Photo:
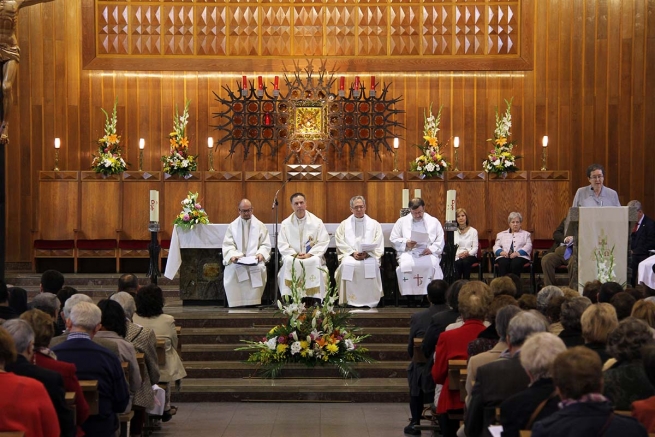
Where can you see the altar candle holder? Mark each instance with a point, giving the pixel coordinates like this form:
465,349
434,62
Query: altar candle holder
342,86
357,87
210,146
544,153
57,146
372,90
276,86
395,154
244,86
142,144
260,86
456,145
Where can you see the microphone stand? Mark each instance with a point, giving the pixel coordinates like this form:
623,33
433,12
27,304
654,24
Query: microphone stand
275,237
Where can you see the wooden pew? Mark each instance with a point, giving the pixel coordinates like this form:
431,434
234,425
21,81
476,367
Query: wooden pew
463,373
90,390
125,419
454,368
178,331
525,433
70,403
12,434
126,370
141,361
161,351
418,356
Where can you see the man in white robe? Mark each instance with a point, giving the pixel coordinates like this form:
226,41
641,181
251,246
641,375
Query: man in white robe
418,261
360,244
246,248
302,242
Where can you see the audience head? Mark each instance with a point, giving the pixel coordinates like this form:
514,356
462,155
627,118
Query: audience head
113,317
597,321
626,341
591,290
516,279
48,303
572,311
64,294
18,299
503,286
23,336
522,326
539,352
437,290
128,282
149,301
126,301
577,372
74,300
474,299
554,309
51,281
452,296
644,310
84,316
648,357
4,293
7,348
608,290
637,293
528,302
503,318
623,303
41,324
498,303
545,295
570,293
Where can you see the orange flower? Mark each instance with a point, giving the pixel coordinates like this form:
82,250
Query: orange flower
320,341
173,142
501,141
184,142
113,138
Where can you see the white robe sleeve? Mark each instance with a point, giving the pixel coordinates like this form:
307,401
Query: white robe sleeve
283,245
437,245
264,247
379,239
322,240
229,246
343,248
397,238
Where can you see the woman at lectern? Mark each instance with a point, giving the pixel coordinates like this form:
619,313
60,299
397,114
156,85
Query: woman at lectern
466,239
513,247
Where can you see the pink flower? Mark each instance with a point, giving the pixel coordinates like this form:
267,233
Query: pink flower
282,339
106,150
198,206
186,217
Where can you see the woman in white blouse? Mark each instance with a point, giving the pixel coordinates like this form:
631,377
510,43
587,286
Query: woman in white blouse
466,239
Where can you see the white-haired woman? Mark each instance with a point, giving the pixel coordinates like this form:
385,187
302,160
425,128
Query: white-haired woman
513,247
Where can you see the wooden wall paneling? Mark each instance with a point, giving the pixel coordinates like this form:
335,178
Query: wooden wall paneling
338,195
100,206
57,218
130,135
203,117
135,212
315,197
505,196
637,173
471,190
433,193
189,90
549,202
468,157
166,107
384,200
481,131
174,192
221,200
261,195
158,144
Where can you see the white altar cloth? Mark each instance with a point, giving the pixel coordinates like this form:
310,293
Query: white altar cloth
646,274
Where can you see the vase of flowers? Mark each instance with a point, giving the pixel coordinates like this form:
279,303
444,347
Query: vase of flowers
179,161
314,335
500,159
192,213
107,160
431,162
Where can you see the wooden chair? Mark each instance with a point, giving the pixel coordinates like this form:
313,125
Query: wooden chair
90,391
454,368
70,403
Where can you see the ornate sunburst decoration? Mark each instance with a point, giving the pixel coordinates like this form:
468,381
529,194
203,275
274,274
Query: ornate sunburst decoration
308,118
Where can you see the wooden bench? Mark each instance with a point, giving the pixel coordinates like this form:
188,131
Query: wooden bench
70,403
141,361
418,356
463,373
90,391
454,368
124,420
12,434
126,370
161,351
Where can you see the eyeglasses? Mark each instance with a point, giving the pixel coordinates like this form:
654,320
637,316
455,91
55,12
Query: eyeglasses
359,207
597,177
245,210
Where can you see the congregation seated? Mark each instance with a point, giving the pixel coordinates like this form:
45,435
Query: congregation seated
358,276
540,399
591,290
584,411
527,302
513,247
553,313
570,315
62,296
49,304
623,303
545,295
596,323
503,285
94,362
467,242
44,357
144,340
53,382
441,320
644,410
608,290
626,380
6,312
150,314
24,405
488,338
18,300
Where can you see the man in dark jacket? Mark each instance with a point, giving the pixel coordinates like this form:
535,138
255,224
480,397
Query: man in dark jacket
584,411
23,336
642,239
562,253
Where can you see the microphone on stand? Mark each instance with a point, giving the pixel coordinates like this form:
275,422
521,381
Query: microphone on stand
275,203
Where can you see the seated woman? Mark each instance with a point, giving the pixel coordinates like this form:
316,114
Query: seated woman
539,400
150,313
644,411
466,239
513,247
24,404
596,323
41,323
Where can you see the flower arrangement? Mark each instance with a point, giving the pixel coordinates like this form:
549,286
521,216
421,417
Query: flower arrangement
192,213
604,261
315,335
431,162
107,160
178,161
500,159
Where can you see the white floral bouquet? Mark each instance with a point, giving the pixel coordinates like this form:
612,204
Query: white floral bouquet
431,162
318,335
605,262
178,161
107,160
192,213
500,159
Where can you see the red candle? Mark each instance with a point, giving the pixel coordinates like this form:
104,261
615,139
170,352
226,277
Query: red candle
245,83
267,119
357,83
276,83
342,83
260,83
372,82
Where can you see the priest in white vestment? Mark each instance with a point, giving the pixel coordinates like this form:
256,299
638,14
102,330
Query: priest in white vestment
419,241
360,244
302,242
246,247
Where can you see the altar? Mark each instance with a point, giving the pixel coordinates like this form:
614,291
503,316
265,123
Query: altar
645,274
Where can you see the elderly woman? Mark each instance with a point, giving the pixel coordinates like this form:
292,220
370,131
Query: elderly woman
466,239
539,400
513,247
645,310
24,405
474,300
597,321
150,314
570,315
545,295
626,380
41,324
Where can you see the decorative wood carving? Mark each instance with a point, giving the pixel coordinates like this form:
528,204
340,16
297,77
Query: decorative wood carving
385,176
345,176
141,176
193,176
223,175
465,175
264,176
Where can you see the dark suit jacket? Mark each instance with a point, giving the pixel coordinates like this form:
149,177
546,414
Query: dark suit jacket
494,382
644,239
54,385
419,324
418,374
438,325
515,411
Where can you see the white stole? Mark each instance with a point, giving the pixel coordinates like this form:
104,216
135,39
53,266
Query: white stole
251,250
430,226
370,263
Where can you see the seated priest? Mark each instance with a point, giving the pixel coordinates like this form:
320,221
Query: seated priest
246,247
419,241
360,244
302,243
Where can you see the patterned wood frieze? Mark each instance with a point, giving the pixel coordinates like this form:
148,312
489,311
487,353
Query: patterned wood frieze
465,175
141,176
58,175
345,176
560,175
91,175
264,176
516,176
416,176
223,176
193,176
385,176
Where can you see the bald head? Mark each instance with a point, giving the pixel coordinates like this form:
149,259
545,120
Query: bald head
245,209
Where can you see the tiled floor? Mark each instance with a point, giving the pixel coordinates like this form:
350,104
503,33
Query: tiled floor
287,420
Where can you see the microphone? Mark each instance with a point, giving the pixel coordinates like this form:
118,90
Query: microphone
275,202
